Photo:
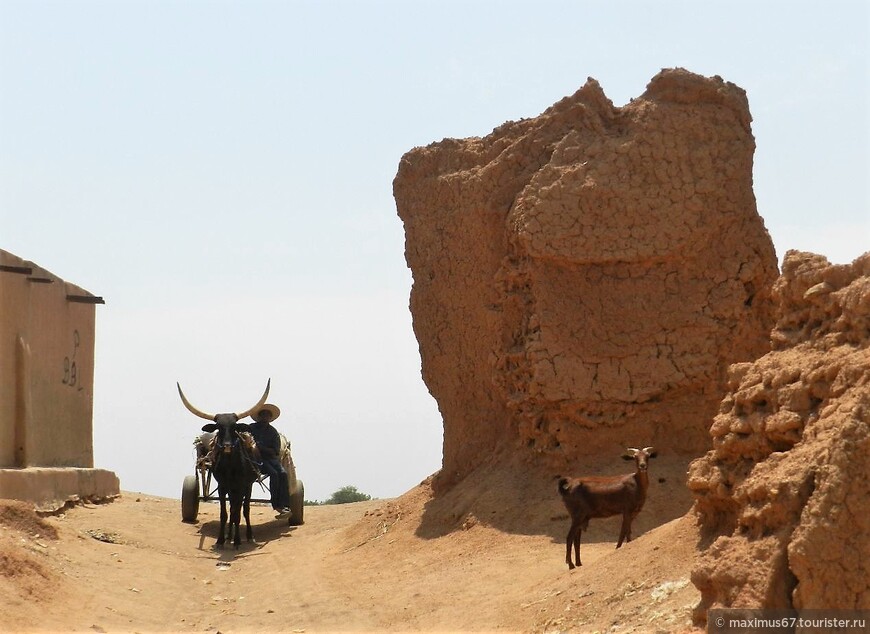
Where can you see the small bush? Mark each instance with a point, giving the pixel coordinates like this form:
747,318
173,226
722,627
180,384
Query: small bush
347,494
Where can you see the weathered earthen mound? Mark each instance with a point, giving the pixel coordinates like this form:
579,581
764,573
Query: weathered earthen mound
784,496
24,538
20,516
583,278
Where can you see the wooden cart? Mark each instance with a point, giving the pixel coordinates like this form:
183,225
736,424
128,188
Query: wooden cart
202,487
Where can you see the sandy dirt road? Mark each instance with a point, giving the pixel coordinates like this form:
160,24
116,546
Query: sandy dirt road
407,564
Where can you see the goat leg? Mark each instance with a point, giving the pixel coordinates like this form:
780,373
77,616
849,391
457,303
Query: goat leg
625,531
569,540
573,540
577,545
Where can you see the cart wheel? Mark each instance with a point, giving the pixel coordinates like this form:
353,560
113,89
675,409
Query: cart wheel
297,505
189,499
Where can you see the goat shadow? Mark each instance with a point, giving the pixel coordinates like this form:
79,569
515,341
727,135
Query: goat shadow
541,516
521,500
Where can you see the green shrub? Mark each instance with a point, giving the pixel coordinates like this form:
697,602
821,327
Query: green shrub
346,495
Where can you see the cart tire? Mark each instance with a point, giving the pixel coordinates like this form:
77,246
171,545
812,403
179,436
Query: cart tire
297,505
189,499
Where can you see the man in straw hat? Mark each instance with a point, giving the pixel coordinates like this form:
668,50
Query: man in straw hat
269,444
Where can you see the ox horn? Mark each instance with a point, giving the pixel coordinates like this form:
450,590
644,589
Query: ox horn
206,416
259,404
192,409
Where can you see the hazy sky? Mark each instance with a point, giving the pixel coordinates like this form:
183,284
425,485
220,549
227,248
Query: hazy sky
221,172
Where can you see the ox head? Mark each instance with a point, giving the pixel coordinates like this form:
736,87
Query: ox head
225,424
640,456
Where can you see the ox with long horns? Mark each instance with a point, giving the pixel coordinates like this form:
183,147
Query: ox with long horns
233,466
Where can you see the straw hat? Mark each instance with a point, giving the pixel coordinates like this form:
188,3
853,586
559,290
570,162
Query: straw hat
268,407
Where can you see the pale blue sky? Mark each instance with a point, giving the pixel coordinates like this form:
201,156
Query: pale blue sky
221,172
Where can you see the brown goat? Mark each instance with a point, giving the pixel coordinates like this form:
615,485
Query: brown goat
604,496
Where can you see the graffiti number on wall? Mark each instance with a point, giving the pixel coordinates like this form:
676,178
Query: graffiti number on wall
70,372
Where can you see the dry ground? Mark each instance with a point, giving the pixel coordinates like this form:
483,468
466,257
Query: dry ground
460,562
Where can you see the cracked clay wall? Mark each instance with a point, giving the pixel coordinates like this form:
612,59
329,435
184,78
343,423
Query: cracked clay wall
783,498
583,279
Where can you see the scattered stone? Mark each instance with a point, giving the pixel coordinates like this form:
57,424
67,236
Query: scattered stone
104,536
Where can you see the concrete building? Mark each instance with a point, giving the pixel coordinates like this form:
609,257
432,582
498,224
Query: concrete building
47,388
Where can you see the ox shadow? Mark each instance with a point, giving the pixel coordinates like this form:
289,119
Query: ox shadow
264,532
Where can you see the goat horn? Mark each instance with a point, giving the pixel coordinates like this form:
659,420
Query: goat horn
632,450
192,409
259,404
648,449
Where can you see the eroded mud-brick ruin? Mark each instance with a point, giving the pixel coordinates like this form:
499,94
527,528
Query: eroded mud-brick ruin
600,275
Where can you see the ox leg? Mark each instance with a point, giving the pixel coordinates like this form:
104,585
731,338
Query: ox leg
247,508
625,531
222,535
236,518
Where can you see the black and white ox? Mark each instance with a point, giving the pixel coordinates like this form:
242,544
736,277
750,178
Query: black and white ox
233,465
